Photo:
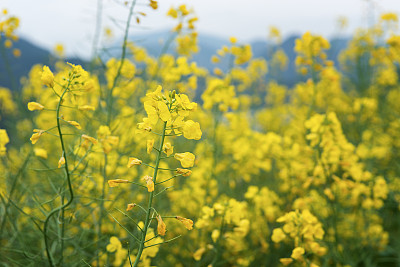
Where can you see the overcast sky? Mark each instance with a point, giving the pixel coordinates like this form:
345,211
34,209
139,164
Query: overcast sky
72,22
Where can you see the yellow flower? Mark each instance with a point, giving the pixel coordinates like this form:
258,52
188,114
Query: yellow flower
172,13
185,105
86,107
183,10
89,138
199,253
218,71
150,144
47,77
130,206
145,125
35,137
76,124
153,4
103,132
297,253
186,222
109,142
286,261
133,161
191,130
61,162
35,106
163,110
7,43
168,149
116,182
184,172
186,159
233,40
389,17
161,227
215,59
114,245
16,52
59,50
215,235
278,235
40,152
3,141
149,183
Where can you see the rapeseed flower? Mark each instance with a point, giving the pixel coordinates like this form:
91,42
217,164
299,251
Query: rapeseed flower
186,159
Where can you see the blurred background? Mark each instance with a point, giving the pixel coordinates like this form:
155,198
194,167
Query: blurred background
83,27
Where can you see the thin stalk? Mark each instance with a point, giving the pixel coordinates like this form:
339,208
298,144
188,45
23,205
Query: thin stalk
63,206
123,55
149,207
165,242
97,30
109,118
13,187
100,219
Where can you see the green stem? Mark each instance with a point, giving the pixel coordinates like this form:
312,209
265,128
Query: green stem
13,187
100,222
97,30
62,207
149,207
110,97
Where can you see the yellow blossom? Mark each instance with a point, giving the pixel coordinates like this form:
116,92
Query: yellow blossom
199,253
47,77
116,182
161,227
153,4
191,130
86,107
172,13
40,152
76,124
133,161
61,162
89,138
168,149
35,137
149,183
186,159
7,44
163,110
297,253
59,50
150,144
286,261
186,222
130,206
114,245
278,235
16,52
3,141
390,17
184,172
35,106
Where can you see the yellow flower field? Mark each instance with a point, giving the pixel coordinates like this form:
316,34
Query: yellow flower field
156,161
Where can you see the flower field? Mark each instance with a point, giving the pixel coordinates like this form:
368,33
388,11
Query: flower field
139,160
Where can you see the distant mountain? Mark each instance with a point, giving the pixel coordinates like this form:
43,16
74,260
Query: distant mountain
209,44
14,68
154,43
